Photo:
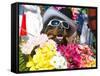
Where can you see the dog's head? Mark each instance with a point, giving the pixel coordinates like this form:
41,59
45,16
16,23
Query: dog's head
58,26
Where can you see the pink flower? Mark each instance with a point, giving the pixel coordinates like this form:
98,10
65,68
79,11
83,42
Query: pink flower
76,55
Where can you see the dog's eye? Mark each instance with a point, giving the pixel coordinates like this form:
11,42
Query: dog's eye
65,25
55,22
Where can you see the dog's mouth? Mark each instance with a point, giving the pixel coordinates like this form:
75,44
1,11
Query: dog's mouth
59,37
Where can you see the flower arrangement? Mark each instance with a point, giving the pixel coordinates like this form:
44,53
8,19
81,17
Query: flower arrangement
49,55
45,57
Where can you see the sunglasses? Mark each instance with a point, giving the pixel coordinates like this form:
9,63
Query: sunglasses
56,22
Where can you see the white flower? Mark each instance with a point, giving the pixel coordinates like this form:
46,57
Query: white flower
27,47
59,62
42,39
50,41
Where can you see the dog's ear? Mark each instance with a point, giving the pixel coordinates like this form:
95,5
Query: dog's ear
43,29
73,38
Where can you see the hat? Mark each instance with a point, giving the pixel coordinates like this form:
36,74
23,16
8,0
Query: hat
52,12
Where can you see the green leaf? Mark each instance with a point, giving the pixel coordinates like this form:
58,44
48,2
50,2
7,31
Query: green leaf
22,62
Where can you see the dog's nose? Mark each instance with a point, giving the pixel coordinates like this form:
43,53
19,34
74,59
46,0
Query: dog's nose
60,28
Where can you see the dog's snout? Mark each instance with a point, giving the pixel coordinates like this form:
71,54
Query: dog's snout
61,29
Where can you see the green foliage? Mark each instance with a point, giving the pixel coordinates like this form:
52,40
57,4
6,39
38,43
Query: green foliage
22,62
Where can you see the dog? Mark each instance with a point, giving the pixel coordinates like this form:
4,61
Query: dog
65,31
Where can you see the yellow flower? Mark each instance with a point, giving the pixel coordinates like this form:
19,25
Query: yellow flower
91,63
32,68
41,60
30,63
